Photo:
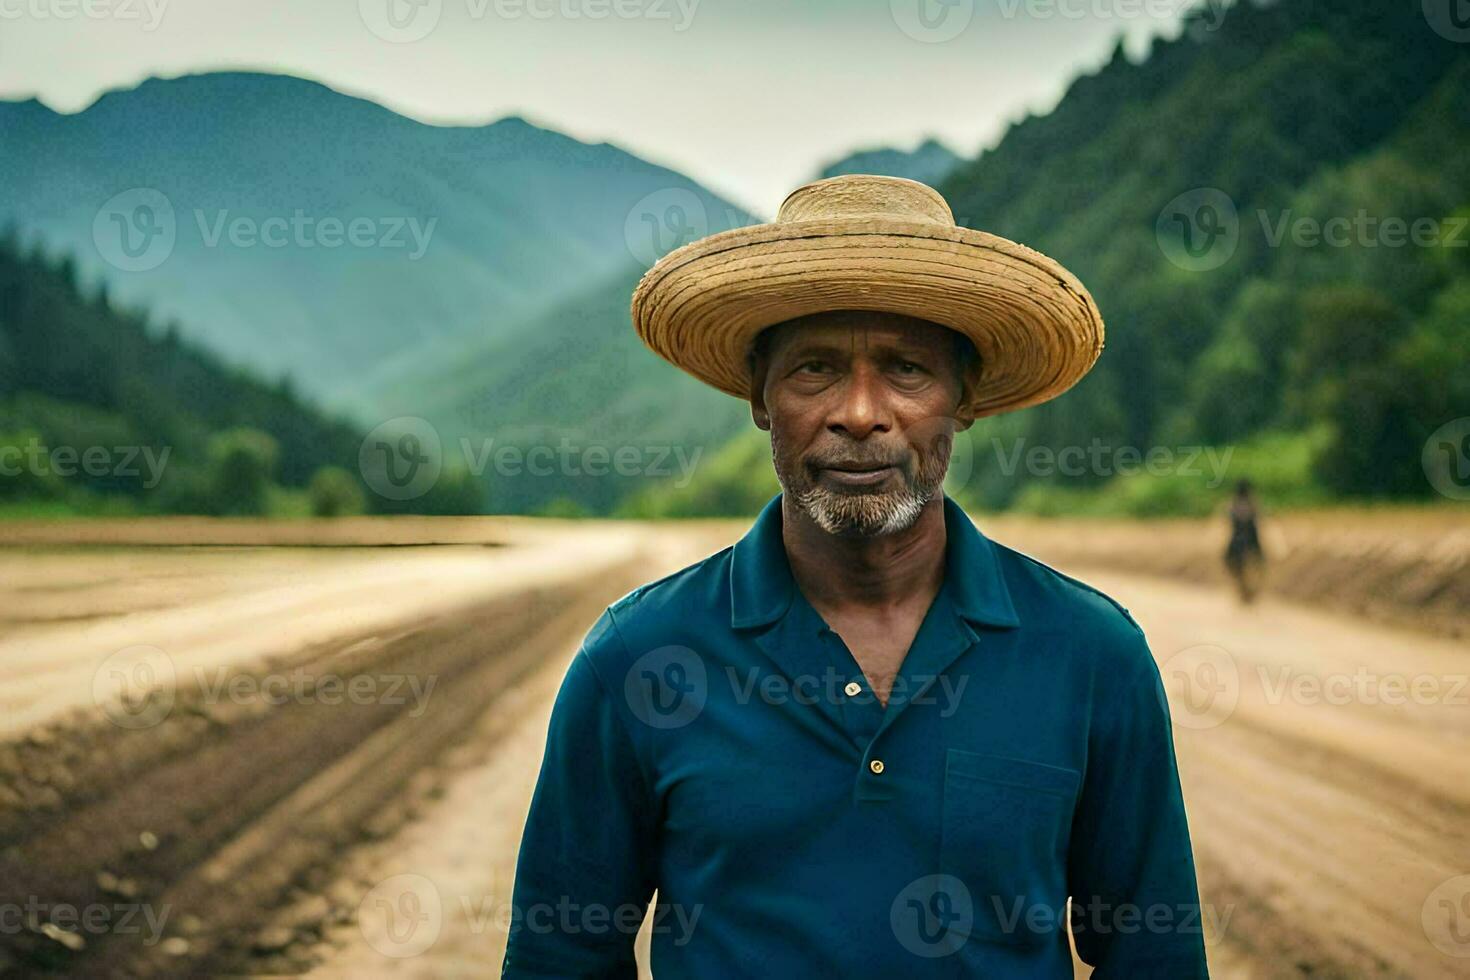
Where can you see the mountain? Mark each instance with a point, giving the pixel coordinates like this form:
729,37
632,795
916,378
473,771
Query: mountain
929,162
303,232
570,384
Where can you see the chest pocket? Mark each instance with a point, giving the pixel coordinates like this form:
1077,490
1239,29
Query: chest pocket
1006,825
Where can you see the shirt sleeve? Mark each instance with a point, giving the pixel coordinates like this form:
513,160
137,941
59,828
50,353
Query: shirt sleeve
1135,901
584,876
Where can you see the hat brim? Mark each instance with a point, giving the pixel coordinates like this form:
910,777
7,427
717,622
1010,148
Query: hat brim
1035,326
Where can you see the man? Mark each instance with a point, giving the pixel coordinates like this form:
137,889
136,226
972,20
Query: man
866,741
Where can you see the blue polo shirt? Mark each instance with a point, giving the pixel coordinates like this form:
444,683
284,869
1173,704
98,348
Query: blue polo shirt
716,741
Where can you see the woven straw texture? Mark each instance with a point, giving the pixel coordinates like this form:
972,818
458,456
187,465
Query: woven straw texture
865,242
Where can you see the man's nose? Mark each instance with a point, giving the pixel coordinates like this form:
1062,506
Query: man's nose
861,408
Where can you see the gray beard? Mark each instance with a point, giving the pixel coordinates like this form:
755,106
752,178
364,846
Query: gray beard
862,514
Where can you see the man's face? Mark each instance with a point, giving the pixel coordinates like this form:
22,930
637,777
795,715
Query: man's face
861,408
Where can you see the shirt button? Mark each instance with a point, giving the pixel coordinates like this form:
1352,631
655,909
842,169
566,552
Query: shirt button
853,689
876,766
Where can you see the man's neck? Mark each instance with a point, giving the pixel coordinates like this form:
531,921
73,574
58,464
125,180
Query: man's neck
881,572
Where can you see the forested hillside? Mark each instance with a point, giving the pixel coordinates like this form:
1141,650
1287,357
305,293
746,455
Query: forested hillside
1286,117
101,410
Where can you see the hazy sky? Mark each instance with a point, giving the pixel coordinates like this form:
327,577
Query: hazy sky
748,96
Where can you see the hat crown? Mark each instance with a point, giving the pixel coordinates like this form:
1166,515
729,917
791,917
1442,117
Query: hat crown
859,195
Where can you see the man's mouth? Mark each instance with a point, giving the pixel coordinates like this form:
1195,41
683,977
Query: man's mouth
858,474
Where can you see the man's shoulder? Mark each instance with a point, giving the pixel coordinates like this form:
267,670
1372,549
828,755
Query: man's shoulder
1043,594
665,611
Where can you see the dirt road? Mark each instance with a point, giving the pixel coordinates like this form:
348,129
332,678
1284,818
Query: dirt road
1325,760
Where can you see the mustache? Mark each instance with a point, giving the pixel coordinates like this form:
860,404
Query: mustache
853,458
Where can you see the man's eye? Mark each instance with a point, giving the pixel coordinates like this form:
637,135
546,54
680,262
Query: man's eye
909,367
813,366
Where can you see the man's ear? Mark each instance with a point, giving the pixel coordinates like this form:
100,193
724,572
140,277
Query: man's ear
964,416
758,413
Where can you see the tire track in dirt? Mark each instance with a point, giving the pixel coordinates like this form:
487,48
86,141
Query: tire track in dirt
208,827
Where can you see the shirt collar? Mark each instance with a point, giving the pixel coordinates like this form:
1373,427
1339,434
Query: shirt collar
761,585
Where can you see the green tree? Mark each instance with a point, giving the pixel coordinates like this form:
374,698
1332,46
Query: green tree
242,463
1344,372
334,492
20,478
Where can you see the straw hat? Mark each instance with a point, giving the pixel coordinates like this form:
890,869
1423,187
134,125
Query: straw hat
863,242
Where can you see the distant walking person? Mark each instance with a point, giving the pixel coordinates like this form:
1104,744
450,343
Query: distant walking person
1243,556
